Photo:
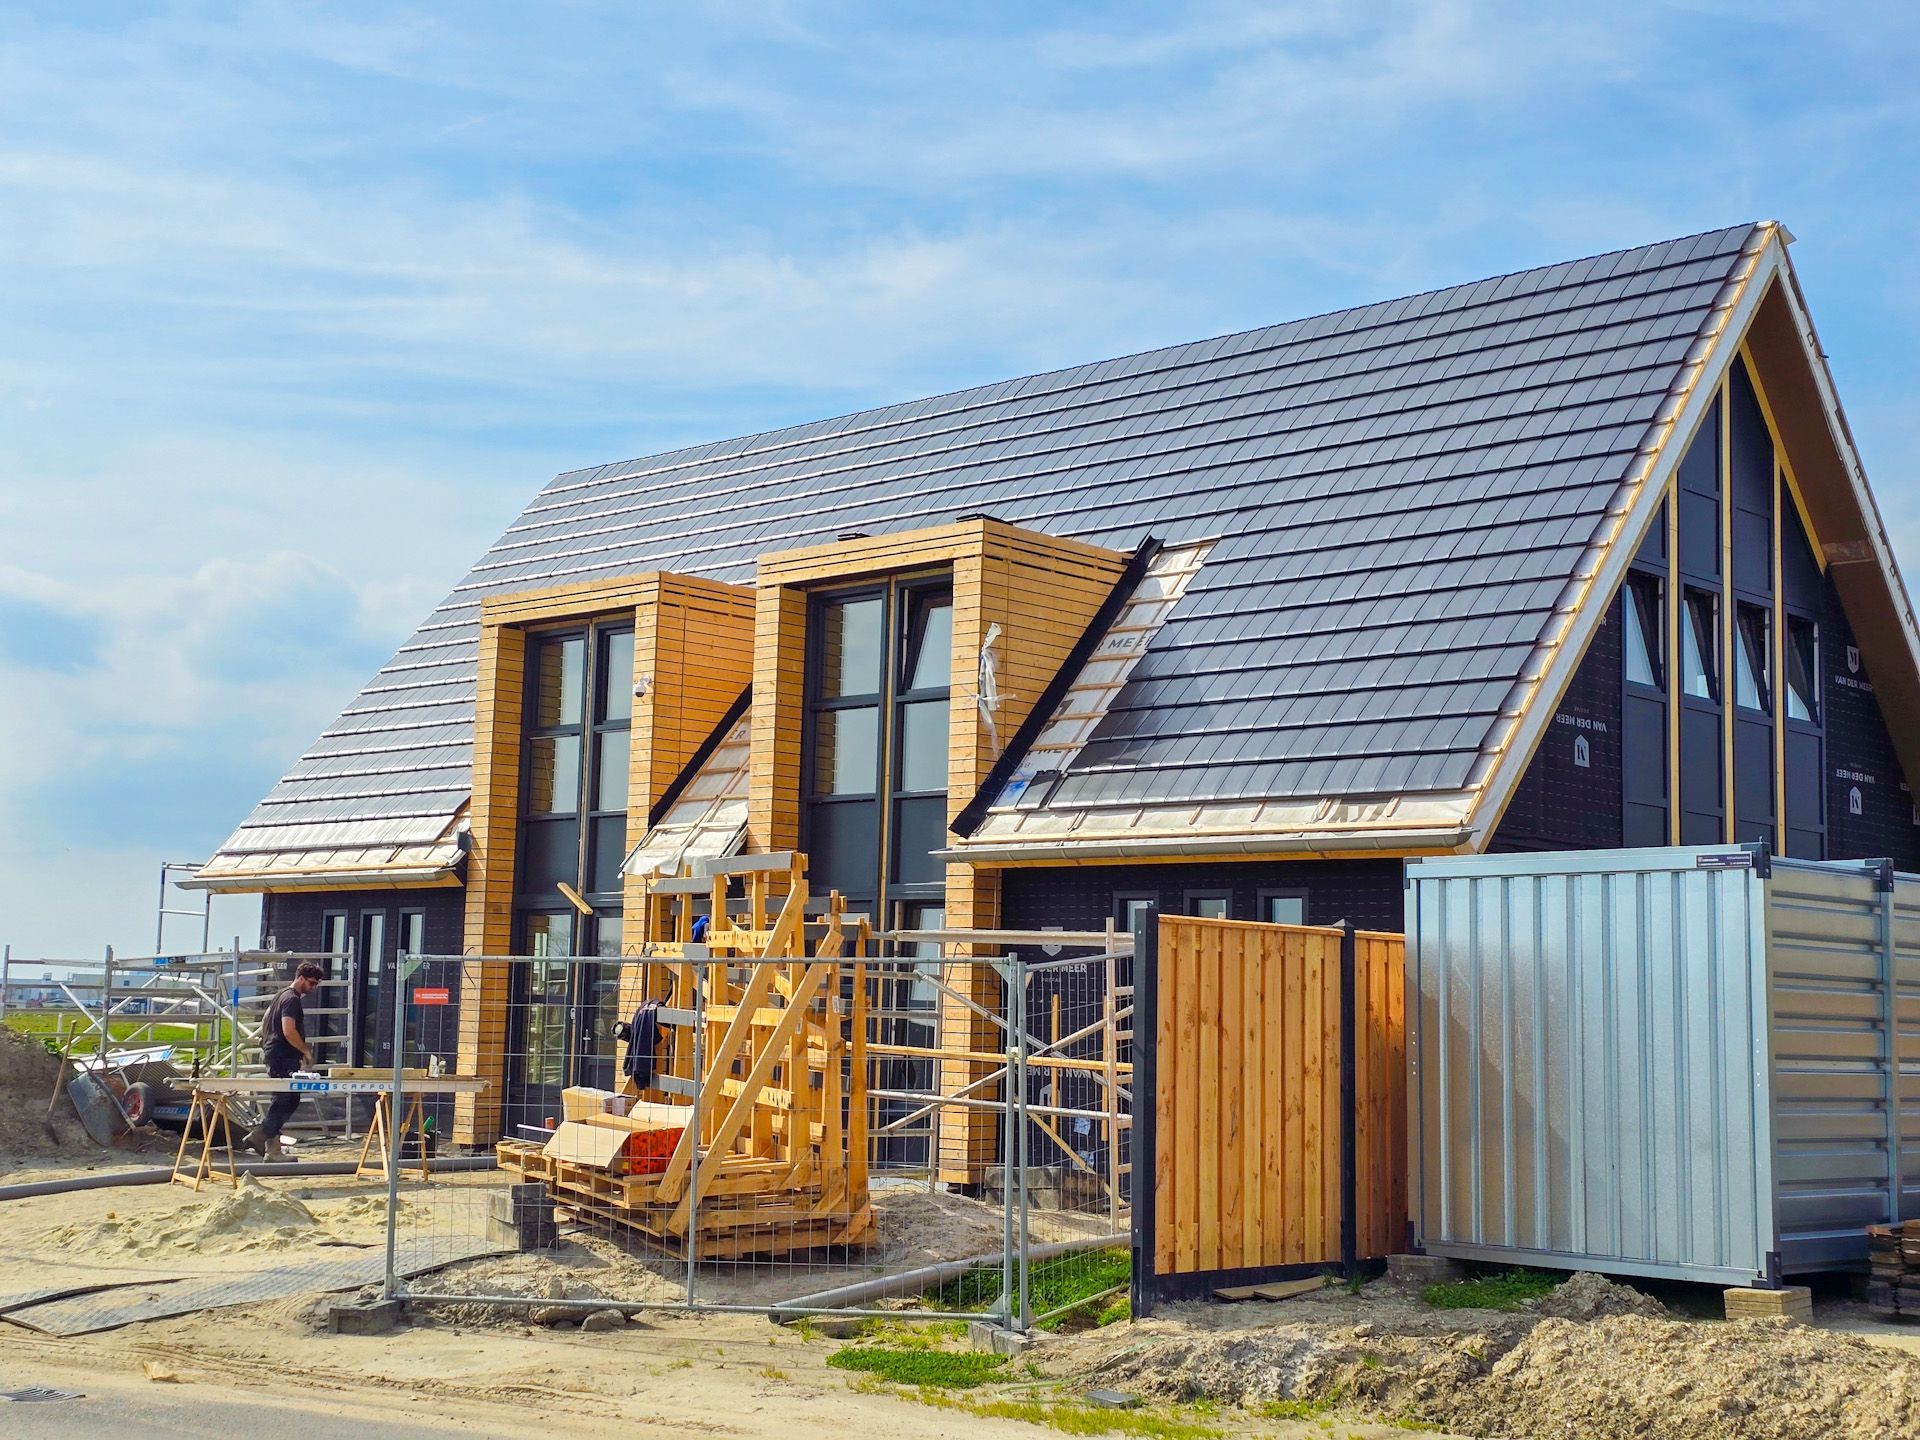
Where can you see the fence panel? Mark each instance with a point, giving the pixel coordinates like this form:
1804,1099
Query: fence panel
1276,1091
762,1133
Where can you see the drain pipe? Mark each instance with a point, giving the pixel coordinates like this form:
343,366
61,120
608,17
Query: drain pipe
113,1179
927,1276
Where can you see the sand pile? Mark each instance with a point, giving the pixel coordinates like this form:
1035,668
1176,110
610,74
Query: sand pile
249,1218
27,1072
1594,1297
1615,1377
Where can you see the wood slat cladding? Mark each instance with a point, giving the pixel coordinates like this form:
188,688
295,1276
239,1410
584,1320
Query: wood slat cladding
1246,1168
1042,592
693,646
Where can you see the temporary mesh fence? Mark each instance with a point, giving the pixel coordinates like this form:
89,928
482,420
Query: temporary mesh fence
918,1132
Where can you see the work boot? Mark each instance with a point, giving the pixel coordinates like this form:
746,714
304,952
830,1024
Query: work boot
256,1140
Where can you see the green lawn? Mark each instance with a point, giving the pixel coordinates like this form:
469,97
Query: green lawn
47,1024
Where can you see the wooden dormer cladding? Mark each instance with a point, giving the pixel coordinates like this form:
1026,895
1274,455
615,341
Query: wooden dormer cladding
693,646
1042,591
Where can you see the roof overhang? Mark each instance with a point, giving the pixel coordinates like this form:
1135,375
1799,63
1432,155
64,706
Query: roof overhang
1245,845
274,882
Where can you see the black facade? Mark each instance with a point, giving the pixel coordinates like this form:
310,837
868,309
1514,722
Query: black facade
1870,807
1573,795
1368,892
316,922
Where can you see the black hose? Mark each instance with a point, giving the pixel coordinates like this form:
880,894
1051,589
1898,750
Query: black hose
113,1178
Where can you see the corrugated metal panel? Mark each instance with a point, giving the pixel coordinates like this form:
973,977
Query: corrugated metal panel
1589,1063
1664,1061
1398,493
1830,1102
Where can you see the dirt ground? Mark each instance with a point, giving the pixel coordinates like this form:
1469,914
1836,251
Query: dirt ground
1594,1360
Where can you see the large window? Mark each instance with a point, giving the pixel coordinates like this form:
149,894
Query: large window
577,728
879,673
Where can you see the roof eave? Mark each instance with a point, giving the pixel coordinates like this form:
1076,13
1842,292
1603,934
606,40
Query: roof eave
1329,843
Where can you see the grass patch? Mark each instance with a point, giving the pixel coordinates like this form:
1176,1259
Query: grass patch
1507,1290
912,1335
954,1369
1113,1312
1068,1283
1072,1418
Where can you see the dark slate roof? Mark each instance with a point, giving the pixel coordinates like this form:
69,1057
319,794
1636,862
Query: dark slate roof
1399,493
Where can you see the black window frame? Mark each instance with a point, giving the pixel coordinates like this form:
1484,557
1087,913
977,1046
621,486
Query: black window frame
1123,898
1798,625
1753,655
1645,595
1283,892
902,604
1693,599
1188,897
588,725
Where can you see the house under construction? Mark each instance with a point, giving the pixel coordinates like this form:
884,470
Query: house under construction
1576,557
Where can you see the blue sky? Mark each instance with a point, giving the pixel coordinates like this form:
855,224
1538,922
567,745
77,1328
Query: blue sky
301,302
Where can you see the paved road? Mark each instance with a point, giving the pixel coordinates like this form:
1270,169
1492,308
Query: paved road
193,1412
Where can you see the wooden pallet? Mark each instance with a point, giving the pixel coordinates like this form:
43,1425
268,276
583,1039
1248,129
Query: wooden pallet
1893,1281
778,1157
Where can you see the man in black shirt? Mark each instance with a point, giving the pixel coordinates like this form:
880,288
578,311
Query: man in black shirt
283,1042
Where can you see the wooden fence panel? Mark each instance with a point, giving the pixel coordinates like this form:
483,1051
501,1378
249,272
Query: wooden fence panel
1269,1124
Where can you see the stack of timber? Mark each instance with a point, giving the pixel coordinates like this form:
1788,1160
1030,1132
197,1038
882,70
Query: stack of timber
1893,1285
763,1150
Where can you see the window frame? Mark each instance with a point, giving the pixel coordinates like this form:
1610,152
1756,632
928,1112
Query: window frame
901,599
1649,624
1189,897
1698,645
1790,693
1752,656
587,726
1285,892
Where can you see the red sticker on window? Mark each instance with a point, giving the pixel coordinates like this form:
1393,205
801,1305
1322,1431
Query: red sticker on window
430,995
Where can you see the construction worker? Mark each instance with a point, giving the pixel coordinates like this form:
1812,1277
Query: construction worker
283,1041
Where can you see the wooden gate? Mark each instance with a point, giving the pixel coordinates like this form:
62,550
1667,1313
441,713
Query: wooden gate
1271,1062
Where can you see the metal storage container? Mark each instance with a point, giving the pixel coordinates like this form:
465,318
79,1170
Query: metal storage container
1682,1062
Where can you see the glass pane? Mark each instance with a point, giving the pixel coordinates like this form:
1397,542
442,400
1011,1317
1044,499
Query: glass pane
1750,659
611,748
843,848
929,657
549,853
1208,907
1644,622
561,668
846,751
1803,654
413,932
548,935
553,775
922,764
336,938
373,950
850,645
609,840
919,828
1132,908
1286,910
607,930
616,675
1698,675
